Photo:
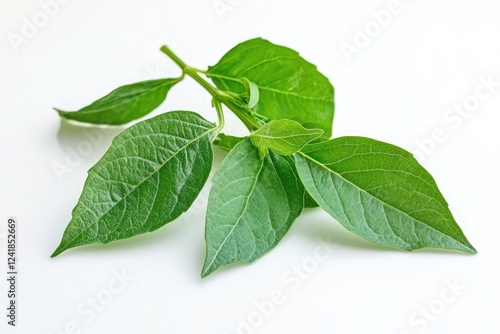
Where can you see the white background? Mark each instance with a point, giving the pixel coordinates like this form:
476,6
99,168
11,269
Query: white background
399,88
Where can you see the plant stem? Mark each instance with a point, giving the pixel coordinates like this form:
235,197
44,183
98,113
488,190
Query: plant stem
189,71
220,114
216,93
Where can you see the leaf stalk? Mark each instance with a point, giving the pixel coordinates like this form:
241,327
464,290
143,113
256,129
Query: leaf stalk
217,94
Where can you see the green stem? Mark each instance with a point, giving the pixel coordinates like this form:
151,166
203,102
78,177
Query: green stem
220,114
248,120
189,71
216,93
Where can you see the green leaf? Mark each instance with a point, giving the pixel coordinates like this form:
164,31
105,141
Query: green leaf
252,92
150,175
284,136
124,104
380,192
226,142
289,86
251,206
309,202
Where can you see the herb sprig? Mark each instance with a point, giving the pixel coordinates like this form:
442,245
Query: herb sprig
155,169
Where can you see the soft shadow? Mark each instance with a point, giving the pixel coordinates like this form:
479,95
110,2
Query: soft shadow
73,133
163,235
329,230
219,155
336,235
442,251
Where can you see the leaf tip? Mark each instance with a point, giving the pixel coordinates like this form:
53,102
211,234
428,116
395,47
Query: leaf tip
319,132
59,111
467,247
58,251
209,267
206,271
61,249
471,250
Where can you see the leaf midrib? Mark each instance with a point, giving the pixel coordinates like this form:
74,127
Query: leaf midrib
91,111
378,199
284,138
270,89
257,175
